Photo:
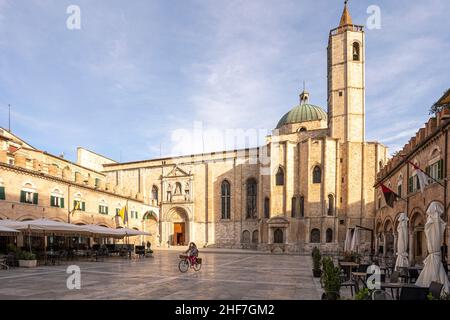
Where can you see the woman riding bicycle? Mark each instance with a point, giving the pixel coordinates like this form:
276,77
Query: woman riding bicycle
192,253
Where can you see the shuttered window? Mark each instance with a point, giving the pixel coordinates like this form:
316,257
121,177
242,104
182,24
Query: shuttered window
2,193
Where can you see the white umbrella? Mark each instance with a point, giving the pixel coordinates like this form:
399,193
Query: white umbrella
433,269
7,230
348,240
132,232
402,242
103,231
355,241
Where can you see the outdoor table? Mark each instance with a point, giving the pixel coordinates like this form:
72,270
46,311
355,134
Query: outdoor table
397,286
360,276
349,265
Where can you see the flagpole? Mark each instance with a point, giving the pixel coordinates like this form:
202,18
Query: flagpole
424,172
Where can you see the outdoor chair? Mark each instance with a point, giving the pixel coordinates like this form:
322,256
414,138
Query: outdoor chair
435,289
404,274
413,274
381,295
3,264
414,293
352,284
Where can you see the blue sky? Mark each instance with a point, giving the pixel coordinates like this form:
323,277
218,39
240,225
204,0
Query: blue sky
139,71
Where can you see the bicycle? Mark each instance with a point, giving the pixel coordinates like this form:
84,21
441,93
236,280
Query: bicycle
186,262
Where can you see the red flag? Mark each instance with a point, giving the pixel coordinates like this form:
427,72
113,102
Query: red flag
389,196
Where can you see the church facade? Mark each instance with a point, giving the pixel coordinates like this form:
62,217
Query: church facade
310,182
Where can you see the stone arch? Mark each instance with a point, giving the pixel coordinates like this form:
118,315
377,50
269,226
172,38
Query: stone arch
151,225
356,51
245,239
279,176
27,217
329,235
255,237
176,226
416,228
317,174
315,236
278,236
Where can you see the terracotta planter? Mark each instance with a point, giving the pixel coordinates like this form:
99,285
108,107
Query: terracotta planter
27,263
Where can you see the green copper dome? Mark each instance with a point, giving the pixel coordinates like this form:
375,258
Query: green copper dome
303,112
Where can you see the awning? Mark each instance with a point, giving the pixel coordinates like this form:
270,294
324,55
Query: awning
6,231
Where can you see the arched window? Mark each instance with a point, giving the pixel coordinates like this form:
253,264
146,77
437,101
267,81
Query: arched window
78,203
317,175
278,236
267,208
251,198
294,207
246,236
255,236
279,178
329,235
225,199
155,193
315,236
56,198
330,205
28,194
302,206
103,207
302,129
356,52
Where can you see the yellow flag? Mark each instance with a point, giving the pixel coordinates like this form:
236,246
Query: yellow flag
123,213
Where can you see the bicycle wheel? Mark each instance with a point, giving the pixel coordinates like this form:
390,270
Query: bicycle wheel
197,266
183,266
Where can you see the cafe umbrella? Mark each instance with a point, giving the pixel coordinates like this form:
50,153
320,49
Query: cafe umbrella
433,269
402,242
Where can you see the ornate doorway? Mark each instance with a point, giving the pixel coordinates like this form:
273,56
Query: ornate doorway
179,233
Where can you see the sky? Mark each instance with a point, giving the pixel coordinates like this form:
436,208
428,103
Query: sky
142,78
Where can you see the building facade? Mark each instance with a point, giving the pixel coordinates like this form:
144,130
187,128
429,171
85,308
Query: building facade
35,184
310,182
305,187
428,150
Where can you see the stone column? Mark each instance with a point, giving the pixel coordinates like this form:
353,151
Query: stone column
286,241
384,245
270,240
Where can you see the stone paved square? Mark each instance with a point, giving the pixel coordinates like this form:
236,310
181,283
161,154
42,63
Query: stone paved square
223,276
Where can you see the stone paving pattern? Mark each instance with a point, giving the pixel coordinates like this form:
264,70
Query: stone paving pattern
226,276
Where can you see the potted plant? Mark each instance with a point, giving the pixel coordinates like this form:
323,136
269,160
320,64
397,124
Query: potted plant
317,257
26,259
331,279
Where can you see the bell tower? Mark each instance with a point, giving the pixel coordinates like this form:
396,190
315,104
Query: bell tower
346,84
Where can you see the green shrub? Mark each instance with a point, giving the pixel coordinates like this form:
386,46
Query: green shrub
363,294
11,248
331,277
317,257
25,255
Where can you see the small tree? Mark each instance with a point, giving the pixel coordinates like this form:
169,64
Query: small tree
331,279
317,258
